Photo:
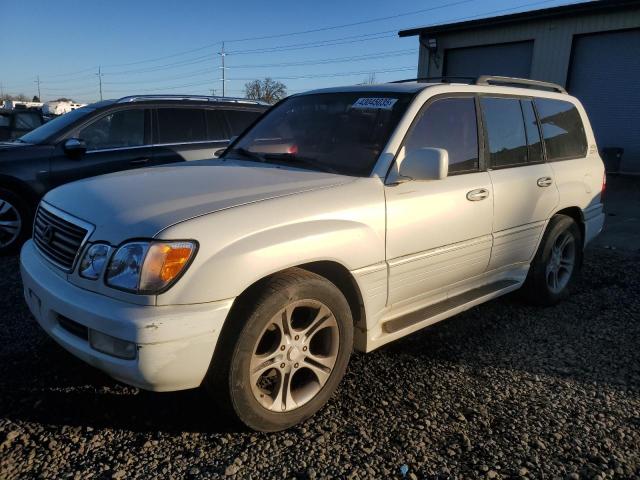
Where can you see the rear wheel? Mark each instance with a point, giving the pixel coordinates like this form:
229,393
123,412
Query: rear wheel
557,262
285,351
15,221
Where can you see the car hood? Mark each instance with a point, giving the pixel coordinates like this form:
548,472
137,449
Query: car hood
141,203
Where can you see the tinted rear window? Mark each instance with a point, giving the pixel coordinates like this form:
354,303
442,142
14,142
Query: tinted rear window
562,129
179,125
239,120
505,131
215,125
28,120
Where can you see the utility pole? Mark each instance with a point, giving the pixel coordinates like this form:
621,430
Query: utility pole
222,54
99,74
212,90
38,82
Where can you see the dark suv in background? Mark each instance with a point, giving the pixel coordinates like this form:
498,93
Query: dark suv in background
15,123
110,136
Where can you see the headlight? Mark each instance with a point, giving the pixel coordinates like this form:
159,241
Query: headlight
148,267
94,261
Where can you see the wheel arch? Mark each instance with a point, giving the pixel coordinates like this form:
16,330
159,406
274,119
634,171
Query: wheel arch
576,214
20,188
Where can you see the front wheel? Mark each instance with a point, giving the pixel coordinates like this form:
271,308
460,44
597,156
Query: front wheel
557,262
285,351
15,222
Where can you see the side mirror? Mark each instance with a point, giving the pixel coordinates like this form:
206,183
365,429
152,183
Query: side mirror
425,164
75,148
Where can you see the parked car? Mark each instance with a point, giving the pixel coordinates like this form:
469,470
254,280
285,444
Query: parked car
110,136
15,123
344,218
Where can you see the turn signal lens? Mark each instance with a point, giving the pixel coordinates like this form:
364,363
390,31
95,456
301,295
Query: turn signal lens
164,262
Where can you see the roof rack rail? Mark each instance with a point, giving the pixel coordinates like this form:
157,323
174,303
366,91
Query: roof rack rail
443,79
201,98
494,79
489,80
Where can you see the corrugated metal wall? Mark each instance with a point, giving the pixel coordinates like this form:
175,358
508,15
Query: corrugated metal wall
605,76
507,59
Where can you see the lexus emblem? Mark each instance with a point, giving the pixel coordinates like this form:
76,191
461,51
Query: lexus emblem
47,234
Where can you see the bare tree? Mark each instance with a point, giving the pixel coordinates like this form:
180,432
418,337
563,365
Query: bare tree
370,80
268,90
20,97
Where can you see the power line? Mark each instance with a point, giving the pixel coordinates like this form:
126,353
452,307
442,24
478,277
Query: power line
288,47
326,61
346,25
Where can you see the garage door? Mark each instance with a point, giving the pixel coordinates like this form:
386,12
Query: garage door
605,76
508,59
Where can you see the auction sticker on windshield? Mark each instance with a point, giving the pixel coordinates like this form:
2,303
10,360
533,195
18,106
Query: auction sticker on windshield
372,102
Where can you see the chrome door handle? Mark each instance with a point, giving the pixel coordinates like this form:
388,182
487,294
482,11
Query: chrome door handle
477,194
545,181
139,161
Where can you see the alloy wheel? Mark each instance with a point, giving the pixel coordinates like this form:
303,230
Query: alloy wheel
561,262
294,355
10,223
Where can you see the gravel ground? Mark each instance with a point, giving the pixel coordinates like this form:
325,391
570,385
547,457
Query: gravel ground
502,391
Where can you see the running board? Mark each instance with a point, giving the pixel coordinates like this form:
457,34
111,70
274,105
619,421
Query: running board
405,321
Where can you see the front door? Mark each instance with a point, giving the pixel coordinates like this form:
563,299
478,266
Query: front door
525,194
439,231
115,141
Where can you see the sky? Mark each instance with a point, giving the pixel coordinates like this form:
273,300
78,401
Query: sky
160,46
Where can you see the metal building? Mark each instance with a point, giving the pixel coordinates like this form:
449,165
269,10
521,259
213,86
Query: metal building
591,48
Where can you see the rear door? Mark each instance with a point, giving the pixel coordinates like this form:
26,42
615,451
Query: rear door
117,140
525,194
188,133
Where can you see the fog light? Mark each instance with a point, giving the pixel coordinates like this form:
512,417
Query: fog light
112,346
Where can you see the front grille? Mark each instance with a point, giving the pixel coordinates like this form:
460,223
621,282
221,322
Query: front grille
73,328
57,238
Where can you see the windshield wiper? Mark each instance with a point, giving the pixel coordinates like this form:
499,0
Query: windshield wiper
248,154
293,158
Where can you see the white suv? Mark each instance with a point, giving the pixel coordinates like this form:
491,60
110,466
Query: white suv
345,218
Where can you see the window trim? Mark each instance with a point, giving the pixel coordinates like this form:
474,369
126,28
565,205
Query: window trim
584,132
423,108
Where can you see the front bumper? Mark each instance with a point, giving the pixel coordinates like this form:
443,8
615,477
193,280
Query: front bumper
175,343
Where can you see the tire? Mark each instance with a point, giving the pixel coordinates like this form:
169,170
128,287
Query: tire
263,344
15,222
564,236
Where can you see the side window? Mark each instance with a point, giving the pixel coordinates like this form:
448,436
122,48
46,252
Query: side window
451,124
124,128
562,129
27,121
505,131
215,125
181,125
239,120
533,132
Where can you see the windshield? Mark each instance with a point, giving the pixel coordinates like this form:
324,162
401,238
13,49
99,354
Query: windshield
42,133
337,132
